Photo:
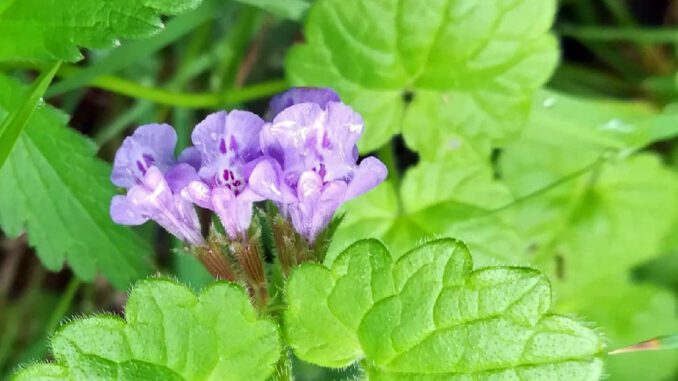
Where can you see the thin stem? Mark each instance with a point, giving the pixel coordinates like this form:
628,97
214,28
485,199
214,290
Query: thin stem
388,157
64,305
283,368
189,100
13,318
135,90
630,34
572,208
567,178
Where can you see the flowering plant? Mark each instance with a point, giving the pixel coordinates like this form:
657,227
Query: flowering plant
304,160
405,214
289,176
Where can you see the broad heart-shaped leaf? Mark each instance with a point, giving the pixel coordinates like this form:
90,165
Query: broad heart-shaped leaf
168,333
428,316
469,67
55,29
589,233
52,187
435,199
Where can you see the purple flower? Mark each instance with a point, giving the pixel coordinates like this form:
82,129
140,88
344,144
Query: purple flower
312,166
229,148
145,166
298,95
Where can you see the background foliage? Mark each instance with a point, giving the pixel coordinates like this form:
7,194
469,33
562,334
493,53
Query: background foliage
540,133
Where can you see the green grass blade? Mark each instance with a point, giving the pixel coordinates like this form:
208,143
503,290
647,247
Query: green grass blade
628,34
14,123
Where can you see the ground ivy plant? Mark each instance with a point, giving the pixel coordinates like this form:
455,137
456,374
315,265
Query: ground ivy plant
423,315
324,246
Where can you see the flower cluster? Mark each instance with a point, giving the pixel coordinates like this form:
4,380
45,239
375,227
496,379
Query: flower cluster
304,159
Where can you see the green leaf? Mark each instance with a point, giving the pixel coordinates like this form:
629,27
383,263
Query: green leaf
168,333
471,68
435,199
428,316
592,127
136,51
289,9
58,29
52,187
618,214
590,233
12,126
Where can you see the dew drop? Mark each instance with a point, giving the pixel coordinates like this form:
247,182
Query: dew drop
549,102
616,125
453,144
355,127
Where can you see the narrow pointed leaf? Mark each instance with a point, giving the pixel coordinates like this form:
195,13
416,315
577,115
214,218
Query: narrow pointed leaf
14,124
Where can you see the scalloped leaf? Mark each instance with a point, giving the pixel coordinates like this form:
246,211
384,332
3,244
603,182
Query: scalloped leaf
55,29
168,333
428,316
470,68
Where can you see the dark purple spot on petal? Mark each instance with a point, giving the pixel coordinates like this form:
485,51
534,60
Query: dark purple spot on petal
225,174
237,183
326,141
150,160
322,171
222,146
233,145
141,167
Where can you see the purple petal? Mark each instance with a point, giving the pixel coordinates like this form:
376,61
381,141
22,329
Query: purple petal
370,173
338,148
270,146
198,193
309,191
150,145
248,195
207,135
332,196
235,214
179,176
320,96
155,191
310,187
266,180
125,213
190,156
295,132
234,135
243,128
154,199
